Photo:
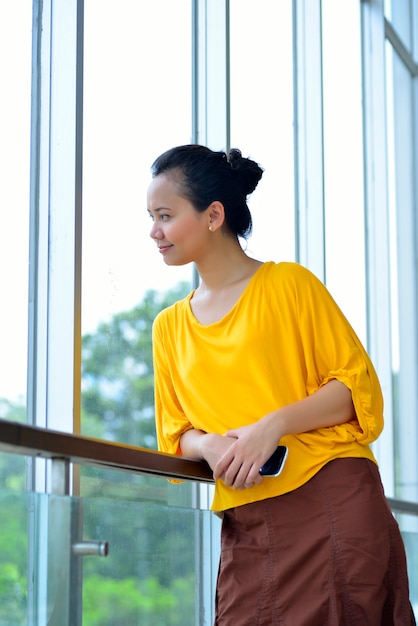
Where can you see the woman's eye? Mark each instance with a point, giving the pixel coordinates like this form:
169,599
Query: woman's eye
160,216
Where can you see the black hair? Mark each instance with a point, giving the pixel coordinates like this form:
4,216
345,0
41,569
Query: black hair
205,176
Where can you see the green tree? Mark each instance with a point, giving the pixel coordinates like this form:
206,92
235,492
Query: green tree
13,557
130,603
12,595
117,373
13,535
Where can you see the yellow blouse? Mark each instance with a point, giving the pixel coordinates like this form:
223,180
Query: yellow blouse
282,340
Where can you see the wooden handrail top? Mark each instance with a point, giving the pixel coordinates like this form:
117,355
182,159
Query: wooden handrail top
34,441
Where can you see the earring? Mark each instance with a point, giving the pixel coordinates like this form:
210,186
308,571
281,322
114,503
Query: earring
210,227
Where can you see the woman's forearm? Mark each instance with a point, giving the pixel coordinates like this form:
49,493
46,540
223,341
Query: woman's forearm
191,443
331,405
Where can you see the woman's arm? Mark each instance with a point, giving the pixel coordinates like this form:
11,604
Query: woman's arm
197,444
331,405
239,466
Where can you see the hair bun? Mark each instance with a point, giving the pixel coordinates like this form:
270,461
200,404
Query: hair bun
234,157
248,173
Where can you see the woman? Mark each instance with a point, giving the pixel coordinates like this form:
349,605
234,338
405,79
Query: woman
260,355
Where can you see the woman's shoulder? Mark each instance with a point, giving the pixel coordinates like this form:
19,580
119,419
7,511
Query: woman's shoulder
172,312
289,271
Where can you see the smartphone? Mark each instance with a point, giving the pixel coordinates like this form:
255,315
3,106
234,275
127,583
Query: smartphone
274,465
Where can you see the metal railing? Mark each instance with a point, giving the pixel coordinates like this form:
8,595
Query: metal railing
67,448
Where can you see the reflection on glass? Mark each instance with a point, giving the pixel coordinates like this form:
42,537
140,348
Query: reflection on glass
15,69
137,104
262,119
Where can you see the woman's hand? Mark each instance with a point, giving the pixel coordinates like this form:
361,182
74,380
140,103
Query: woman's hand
197,444
213,447
239,466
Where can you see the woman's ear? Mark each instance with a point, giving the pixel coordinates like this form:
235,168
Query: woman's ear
216,215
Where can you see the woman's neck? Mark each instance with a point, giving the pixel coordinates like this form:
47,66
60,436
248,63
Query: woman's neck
222,270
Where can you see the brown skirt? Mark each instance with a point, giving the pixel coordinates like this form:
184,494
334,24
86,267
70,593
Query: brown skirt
327,554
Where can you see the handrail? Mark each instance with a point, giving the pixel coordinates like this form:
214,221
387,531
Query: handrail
403,506
40,442
34,441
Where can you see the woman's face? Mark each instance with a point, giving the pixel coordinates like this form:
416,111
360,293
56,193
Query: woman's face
180,232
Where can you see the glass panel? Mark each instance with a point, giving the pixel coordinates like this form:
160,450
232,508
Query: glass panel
409,524
12,472
13,555
150,575
401,193
15,71
262,119
137,103
343,163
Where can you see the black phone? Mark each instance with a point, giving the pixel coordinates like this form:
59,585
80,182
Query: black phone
274,465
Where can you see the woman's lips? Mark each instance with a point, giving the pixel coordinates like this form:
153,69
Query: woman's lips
163,249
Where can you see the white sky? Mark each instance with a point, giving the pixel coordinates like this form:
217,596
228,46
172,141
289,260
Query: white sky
137,104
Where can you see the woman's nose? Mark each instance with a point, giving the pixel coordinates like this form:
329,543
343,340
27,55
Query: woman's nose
155,232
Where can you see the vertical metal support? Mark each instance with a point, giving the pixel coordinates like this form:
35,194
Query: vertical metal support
211,91
60,477
211,127
54,359
377,226
309,150
208,537
55,216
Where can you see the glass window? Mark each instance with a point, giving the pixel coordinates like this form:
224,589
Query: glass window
15,71
137,103
401,192
343,161
262,119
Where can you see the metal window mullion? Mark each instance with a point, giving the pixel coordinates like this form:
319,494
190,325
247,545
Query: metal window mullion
377,223
414,28
54,297
39,232
309,148
211,104
211,127
55,238
64,209
405,182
